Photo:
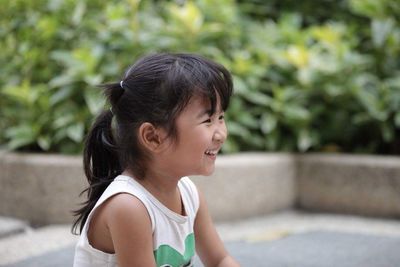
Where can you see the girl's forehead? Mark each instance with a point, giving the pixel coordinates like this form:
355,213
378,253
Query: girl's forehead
203,103
200,100
197,104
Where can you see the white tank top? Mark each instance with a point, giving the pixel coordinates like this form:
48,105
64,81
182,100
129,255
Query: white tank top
173,236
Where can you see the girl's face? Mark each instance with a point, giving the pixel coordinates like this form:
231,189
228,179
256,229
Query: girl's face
200,137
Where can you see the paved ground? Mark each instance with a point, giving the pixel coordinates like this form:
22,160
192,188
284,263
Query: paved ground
284,239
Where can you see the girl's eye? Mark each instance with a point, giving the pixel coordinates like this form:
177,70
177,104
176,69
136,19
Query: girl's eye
207,121
221,117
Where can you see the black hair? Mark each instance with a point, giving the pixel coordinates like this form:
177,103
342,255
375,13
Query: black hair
155,89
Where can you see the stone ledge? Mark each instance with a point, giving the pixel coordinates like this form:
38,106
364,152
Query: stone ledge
40,189
364,185
247,185
44,189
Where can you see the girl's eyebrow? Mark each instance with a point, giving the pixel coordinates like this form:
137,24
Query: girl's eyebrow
208,113
204,112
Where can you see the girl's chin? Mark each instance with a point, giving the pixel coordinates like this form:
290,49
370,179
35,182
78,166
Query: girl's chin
208,172
203,171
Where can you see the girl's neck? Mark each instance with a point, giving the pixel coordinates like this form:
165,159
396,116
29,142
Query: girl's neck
156,183
165,189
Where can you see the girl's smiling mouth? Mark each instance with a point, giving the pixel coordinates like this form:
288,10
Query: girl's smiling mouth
212,152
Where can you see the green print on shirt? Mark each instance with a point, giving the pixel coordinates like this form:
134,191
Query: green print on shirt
167,256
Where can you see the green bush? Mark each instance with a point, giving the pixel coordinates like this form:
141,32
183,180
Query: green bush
309,75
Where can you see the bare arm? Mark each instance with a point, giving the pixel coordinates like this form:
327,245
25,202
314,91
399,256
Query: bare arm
209,246
130,228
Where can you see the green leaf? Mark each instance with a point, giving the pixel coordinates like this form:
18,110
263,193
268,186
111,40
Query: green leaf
61,94
44,142
246,119
75,132
296,114
94,100
258,98
63,120
235,129
370,8
304,140
78,13
62,80
381,29
268,123
21,135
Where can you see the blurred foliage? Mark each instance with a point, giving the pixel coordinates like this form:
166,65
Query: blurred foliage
309,75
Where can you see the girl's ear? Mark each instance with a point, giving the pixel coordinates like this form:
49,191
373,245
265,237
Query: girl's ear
150,137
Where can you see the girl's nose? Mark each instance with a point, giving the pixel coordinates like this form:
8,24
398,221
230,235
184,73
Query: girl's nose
220,133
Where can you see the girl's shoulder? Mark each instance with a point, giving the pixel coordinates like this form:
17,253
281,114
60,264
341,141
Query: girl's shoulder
189,193
117,212
121,192
127,223
126,208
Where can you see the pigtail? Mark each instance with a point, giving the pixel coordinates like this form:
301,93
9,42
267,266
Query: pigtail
100,161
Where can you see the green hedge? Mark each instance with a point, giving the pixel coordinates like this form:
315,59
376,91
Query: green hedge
309,75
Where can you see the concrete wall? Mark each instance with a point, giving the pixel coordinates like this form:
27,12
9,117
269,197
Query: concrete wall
367,185
45,188
40,188
248,185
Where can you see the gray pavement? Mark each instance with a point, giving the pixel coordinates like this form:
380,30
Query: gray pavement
313,249
10,226
292,239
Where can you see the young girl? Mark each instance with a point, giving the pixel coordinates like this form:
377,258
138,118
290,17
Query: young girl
166,122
